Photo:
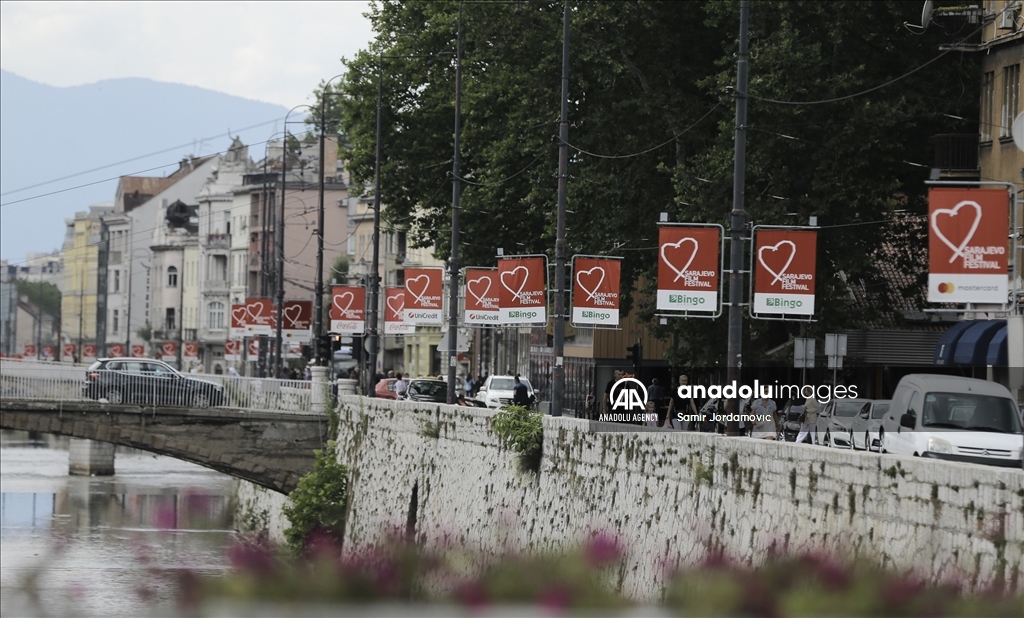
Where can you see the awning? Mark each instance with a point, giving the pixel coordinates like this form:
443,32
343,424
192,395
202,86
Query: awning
973,343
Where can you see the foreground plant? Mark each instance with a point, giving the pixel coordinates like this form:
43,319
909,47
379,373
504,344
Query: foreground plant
319,501
523,431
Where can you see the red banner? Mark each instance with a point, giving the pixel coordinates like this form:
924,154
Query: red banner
169,351
68,351
394,312
348,309
89,351
259,316
238,320
968,256
191,350
117,350
522,296
595,291
232,350
138,350
688,267
48,351
254,349
298,320
784,271
423,296
29,350
482,296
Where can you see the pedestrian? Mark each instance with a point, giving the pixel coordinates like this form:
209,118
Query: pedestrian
657,402
809,421
520,394
766,429
681,407
469,384
232,371
400,385
391,373
616,376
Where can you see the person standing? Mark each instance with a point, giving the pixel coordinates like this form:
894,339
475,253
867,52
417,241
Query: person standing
657,401
400,385
520,394
764,429
680,405
607,407
809,422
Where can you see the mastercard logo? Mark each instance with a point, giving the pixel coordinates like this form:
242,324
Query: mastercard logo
946,288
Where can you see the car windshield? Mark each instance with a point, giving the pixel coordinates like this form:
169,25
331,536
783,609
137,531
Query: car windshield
848,408
428,388
971,411
879,410
95,366
502,384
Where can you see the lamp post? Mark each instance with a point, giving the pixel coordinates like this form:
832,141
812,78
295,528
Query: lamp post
318,301
279,236
453,262
558,351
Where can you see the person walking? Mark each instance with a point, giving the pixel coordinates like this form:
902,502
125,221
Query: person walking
520,394
809,421
766,429
680,405
657,401
400,386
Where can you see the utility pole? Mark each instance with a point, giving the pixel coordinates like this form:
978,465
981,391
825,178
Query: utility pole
738,219
558,371
370,365
453,262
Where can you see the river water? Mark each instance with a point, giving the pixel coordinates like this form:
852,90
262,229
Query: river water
104,546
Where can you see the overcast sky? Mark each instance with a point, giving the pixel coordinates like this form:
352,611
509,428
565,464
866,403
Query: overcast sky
275,52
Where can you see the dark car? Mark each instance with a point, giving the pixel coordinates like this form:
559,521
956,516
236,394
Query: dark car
790,419
435,391
147,381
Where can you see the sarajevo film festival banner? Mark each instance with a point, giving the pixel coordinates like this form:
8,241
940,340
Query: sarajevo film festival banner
238,321
254,349
259,316
967,245
689,263
784,271
482,297
169,351
29,350
423,293
68,352
88,351
117,350
394,313
138,350
190,351
522,297
297,325
348,309
232,350
48,352
595,291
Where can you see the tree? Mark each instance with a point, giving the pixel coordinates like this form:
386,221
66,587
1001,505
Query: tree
44,295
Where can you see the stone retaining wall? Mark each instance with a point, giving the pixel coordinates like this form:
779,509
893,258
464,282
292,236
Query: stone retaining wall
672,497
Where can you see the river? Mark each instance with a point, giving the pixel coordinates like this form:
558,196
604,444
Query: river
104,546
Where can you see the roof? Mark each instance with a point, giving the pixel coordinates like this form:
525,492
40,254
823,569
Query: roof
956,384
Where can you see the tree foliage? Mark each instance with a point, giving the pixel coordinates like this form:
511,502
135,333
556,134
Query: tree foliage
44,295
651,128
319,501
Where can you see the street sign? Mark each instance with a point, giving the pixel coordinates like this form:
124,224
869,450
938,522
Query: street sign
803,353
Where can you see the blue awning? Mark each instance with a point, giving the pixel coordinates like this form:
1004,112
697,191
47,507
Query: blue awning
997,354
974,343
944,348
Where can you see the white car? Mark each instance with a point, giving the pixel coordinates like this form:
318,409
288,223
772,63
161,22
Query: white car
953,418
497,391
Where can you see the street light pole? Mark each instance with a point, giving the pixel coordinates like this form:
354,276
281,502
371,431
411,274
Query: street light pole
453,263
558,372
373,337
738,219
318,302
279,236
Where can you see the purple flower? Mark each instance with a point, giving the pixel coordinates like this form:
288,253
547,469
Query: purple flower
252,558
601,550
166,518
472,594
555,599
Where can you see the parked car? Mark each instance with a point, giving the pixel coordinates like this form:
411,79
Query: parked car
835,421
435,391
953,418
385,389
790,419
497,391
148,381
866,424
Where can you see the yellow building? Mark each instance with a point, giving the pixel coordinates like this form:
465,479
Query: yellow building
81,253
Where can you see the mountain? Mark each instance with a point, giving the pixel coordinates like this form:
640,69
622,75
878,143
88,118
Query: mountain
62,149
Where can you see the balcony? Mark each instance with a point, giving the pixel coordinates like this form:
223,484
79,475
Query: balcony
218,241
956,154
216,286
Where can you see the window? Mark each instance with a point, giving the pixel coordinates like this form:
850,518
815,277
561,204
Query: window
215,315
116,321
172,277
219,268
169,319
987,94
1011,99
117,282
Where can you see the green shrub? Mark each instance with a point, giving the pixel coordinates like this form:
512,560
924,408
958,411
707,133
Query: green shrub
522,431
319,501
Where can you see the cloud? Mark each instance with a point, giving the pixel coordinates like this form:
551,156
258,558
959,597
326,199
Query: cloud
276,52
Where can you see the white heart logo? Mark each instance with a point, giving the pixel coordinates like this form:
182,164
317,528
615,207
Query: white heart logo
591,293
396,307
418,298
485,281
957,251
346,298
168,349
238,315
254,310
516,294
792,253
292,314
675,245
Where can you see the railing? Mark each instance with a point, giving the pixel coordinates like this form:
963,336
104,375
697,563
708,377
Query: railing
956,152
61,382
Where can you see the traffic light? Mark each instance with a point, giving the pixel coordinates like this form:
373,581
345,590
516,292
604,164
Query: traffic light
635,354
324,343
357,348
335,343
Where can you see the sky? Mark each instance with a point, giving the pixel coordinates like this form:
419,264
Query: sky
276,52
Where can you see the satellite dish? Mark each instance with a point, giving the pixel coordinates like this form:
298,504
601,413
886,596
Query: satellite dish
1018,131
926,14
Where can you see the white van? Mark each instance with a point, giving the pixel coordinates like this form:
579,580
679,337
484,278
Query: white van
953,418
497,391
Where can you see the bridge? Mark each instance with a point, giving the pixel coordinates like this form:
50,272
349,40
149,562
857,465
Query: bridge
263,431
